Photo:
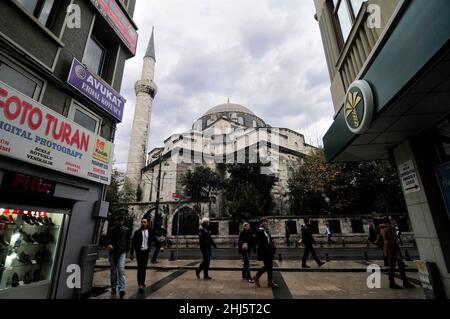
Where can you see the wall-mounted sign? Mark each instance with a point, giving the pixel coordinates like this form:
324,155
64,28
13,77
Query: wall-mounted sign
359,107
443,175
409,178
28,183
33,133
117,19
96,90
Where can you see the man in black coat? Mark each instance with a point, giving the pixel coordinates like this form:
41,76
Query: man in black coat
266,251
246,245
118,244
308,241
141,244
206,241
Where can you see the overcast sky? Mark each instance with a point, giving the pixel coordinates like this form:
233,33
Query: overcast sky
264,54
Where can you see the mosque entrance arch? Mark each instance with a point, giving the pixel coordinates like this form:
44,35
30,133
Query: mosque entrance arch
188,221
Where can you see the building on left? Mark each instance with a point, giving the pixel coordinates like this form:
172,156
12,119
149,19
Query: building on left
61,69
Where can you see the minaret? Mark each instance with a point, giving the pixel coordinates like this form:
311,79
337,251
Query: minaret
145,90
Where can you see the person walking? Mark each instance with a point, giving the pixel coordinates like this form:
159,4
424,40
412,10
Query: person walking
391,250
266,251
372,234
329,233
160,242
308,241
117,243
246,245
288,235
206,241
141,244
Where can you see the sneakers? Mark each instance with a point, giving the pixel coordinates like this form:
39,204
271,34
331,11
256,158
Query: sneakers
272,284
321,263
197,273
305,266
256,280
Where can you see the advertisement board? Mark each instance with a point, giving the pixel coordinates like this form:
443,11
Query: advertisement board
96,90
35,134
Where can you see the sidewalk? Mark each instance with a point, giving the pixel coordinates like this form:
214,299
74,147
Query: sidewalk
177,280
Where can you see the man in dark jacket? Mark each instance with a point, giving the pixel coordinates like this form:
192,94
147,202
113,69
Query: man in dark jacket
308,241
141,244
118,243
246,245
266,251
206,241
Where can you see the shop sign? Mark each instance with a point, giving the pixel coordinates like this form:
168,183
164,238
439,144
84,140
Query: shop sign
359,105
33,133
96,89
117,19
409,178
443,175
28,183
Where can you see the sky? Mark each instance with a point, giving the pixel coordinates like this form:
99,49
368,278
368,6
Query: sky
264,54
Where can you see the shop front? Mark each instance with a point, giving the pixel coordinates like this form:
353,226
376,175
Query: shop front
53,174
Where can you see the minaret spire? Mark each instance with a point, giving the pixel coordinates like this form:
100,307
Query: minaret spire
151,46
145,90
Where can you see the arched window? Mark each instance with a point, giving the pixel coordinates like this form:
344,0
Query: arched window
188,221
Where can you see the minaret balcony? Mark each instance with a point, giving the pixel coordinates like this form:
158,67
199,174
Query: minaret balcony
147,87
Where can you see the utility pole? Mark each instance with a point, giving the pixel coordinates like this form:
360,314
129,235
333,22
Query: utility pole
158,190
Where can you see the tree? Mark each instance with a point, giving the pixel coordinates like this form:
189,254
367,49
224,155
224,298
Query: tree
318,187
248,192
119,193
200,183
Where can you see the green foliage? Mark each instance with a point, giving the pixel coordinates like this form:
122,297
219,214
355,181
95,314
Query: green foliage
341,188
118,194
200,183
248,192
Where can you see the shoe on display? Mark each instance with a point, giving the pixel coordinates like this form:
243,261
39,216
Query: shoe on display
36,275
34,221
27,238
4,219
28,279
15,280
27,220
40,221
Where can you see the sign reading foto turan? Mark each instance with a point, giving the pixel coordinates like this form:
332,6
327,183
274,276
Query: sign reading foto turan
35,134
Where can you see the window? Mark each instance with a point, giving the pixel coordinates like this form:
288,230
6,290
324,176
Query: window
84,117
345,13
314,226
20,80
95,56
292,226
335,226
233,228
357,226
43,10
214,227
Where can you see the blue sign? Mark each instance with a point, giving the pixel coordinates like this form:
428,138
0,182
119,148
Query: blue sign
96,90
443,175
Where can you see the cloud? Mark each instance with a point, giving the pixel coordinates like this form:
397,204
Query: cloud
264,54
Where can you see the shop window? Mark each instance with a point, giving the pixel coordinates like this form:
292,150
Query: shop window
20,80
291,225
29,242
233,228
336,226
214,227
84,117
357,226
345,13
43,10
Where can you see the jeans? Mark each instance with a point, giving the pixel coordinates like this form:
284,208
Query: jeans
401,265
246,269
142,261
117,264
309,249
268,266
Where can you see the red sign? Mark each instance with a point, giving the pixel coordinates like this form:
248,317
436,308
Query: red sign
27,183
114,15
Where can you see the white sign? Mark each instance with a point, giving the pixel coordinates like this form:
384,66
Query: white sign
33,133
409,178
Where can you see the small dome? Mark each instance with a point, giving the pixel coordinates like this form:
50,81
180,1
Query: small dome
228,107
